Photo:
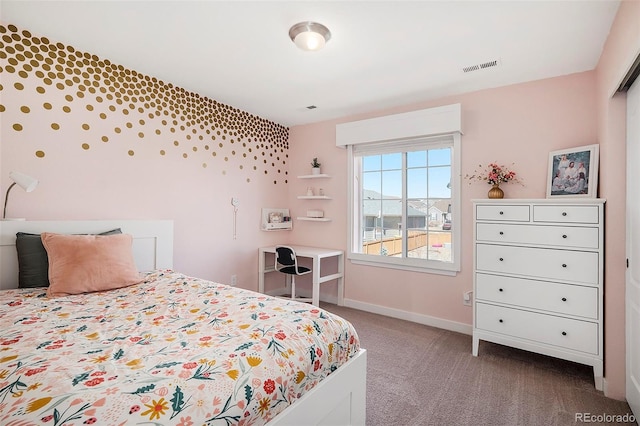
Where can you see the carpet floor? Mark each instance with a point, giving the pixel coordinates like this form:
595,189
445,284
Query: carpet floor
420,375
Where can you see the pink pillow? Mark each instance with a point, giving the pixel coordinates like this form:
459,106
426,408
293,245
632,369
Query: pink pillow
87,263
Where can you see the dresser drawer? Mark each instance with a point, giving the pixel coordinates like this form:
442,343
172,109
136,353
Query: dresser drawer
549,329
563,265
565,299
513,213
567,214
560,236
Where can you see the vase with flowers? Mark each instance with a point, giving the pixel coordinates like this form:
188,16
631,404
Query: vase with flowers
494,174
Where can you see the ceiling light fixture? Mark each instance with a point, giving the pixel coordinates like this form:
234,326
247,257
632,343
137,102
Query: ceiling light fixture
309,36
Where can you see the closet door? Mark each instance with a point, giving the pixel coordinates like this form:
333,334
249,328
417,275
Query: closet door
633,250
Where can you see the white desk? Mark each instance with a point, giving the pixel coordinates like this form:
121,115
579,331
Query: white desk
316,254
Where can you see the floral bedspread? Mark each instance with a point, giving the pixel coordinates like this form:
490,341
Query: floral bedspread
174,350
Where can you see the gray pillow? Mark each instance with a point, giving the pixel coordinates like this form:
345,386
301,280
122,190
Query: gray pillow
33,264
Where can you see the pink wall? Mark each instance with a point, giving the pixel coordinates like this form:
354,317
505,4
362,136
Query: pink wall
621,48
520,124
109,143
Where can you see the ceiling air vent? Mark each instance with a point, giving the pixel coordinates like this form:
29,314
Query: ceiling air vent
480,66
311,107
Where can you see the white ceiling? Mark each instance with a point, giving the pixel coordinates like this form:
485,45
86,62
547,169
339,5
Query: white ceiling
382,53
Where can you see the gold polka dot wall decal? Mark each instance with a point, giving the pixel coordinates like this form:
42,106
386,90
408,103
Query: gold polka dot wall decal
105,139
140,135
130,152
25,109
117,129
85,146
47,105
184,155
66,109
17,127
204,165
18,86
55,126
103,116
2,109
248,180
162,152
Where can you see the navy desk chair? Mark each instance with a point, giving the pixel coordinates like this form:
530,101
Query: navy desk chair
287,263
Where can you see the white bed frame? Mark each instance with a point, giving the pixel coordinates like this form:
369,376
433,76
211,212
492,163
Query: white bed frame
338,400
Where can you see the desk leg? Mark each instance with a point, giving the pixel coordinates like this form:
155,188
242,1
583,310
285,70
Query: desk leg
261,271
315,291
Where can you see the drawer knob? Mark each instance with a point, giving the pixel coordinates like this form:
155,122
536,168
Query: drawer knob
500,320
501,212
501,233
564,299
564,333
564,265
564,213
564,236
501,259
500,289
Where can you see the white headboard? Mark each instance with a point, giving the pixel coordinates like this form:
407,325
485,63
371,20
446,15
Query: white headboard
152,241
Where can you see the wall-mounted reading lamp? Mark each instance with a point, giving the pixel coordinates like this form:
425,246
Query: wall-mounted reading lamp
23,181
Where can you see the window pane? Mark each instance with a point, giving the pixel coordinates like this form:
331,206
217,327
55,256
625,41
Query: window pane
372,182
417,159
439,182
429,239
417,183
392,161
440,157
392,184
371,162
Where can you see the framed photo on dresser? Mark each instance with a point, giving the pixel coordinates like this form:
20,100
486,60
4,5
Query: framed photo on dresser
573,172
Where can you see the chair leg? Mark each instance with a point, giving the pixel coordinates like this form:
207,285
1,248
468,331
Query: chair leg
293,287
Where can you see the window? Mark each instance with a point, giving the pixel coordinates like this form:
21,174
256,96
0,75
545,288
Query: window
404,204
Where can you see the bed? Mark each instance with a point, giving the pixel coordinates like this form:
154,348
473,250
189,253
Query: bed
169,350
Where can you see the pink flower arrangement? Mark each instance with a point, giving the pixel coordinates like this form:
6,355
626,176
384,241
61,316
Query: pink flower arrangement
493,174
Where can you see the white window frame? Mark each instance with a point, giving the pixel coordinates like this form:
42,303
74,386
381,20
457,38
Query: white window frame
396,133
355,203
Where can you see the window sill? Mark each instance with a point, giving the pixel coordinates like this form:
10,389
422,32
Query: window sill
358,259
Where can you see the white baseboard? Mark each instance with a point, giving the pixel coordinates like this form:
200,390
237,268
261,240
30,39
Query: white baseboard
458,327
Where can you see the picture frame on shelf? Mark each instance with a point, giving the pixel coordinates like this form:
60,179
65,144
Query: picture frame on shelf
573,172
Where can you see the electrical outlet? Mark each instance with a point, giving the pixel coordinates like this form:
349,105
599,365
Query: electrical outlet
234,280
466,298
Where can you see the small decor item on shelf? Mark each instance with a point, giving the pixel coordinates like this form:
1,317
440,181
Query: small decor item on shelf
494,175
315,166
309,191
316,214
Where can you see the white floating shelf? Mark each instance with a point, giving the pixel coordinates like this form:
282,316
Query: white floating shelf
314,219
313,176
313,197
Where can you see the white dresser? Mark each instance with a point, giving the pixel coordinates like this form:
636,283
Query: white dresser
538,272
